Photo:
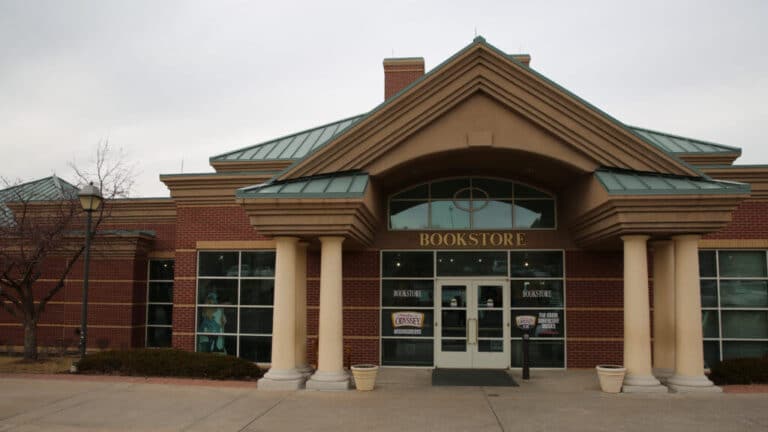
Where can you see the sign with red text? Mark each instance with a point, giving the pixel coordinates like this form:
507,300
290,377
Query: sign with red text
408,323
525,322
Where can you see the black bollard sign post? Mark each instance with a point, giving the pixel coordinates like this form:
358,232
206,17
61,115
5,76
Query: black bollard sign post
526,323
526,351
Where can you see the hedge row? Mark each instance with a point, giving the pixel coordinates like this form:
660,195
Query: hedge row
740,371
168,363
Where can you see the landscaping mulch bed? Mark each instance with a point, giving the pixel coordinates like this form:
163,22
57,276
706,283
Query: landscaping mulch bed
49,365
746,388
130,379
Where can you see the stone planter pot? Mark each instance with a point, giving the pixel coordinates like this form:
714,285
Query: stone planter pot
365,376
611,377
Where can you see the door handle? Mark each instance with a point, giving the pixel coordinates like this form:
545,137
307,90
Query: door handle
472,331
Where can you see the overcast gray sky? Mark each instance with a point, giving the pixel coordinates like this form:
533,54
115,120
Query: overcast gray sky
184,80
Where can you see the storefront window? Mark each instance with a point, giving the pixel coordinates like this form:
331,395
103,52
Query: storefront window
235,297
742,263
538,293
407,308
734,302
539,264
398,293
471,203
407,352
542,354
408,264
537,288
160,304
744,293
455,263
408,303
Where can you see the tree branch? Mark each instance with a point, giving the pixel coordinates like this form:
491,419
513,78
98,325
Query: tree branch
60,283
8,298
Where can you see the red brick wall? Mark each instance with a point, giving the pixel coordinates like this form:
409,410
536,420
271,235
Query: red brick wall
165,233
750,221
116,305
360,285
594,308
212,223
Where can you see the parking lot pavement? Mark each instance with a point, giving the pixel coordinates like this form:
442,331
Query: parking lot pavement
403,400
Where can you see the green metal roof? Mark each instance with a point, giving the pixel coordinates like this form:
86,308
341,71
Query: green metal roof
636,183
289,147
297,146
45,189
339,185
678,144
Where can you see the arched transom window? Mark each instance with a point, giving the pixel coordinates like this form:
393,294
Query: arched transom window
473,203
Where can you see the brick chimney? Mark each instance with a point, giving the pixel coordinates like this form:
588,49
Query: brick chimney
400,72
522,58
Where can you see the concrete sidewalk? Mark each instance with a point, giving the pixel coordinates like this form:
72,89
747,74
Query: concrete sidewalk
403,400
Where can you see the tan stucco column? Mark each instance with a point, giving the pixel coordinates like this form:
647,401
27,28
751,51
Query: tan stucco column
663,308
330,374
637,319
301,310
689,345
282,374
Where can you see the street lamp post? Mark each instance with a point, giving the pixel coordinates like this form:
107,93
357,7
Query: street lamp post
90,199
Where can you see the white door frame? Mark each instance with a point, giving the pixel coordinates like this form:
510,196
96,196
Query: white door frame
472,357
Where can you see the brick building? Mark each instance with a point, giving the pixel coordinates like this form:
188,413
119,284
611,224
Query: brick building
414,235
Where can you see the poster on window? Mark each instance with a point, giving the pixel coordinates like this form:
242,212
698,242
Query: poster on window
407,323
548,323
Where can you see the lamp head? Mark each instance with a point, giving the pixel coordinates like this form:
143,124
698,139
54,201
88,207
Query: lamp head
90,197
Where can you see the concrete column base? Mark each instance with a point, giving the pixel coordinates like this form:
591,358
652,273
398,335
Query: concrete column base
281,380
305,370
687,384
663,374
329,381
642,384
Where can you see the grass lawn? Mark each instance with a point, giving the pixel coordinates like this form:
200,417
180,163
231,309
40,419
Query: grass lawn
49,365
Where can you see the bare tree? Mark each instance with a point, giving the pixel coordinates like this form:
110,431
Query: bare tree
40,225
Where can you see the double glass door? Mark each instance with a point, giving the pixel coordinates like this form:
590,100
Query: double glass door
472,327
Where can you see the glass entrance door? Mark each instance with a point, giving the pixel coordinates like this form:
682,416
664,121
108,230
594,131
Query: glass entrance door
472,324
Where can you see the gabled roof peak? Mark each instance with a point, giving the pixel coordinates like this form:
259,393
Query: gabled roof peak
43,189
